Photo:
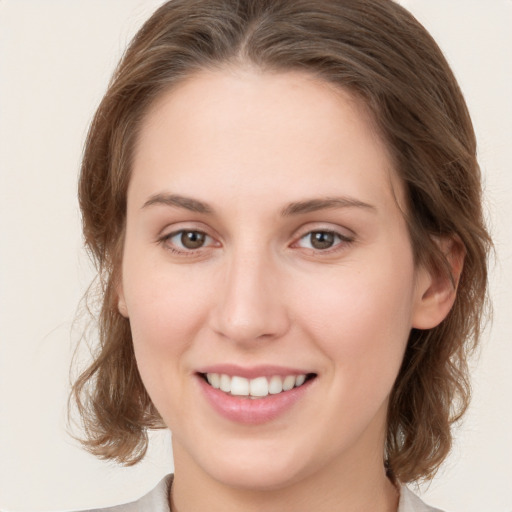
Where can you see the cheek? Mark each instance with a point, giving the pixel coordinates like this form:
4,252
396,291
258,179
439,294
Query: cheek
163,302
166,311
362,320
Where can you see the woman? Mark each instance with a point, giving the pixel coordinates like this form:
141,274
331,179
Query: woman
284,204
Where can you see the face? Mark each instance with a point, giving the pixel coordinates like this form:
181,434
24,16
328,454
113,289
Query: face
266,253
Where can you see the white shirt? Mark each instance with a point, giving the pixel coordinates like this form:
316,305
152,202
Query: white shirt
157,501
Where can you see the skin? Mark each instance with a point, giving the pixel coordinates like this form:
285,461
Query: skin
248,144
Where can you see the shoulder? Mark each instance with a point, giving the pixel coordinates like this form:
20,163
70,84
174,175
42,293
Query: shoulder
154,501
409,502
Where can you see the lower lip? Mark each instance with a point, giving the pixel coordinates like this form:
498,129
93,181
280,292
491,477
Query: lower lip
252,411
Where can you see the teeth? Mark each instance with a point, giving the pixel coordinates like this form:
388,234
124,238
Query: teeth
214,380
258,387
300,380
239,386
275,385
225,383
288,382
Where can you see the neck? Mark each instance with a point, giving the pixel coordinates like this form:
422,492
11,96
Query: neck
353,486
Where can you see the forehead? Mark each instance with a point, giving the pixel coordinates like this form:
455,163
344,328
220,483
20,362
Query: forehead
221,129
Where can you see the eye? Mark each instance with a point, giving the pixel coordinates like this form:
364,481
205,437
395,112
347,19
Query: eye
322,240
187,240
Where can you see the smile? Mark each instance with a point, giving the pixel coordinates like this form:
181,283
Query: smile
258,387
253,396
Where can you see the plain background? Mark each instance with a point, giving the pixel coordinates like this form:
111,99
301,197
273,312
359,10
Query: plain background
56,57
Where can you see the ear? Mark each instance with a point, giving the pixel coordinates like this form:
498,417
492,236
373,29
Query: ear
121,303
436,290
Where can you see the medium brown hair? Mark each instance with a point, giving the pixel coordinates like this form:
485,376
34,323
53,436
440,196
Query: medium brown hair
379,52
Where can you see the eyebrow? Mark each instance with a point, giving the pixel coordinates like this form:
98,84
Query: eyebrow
313,205
295,208
187,203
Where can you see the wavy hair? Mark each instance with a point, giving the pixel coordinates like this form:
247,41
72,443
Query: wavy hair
379,52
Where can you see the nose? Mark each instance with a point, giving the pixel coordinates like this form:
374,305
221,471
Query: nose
250,305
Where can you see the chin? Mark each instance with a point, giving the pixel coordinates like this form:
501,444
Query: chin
255,476
254,465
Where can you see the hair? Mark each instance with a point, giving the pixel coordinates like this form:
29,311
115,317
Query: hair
379,52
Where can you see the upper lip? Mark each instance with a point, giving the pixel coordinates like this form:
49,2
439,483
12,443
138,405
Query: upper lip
251,372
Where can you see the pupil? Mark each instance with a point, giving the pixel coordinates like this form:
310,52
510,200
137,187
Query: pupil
192,239
322,240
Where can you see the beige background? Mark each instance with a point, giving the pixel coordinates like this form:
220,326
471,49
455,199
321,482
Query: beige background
55,59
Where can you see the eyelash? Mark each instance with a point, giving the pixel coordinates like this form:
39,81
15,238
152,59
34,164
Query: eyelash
165,241
342,242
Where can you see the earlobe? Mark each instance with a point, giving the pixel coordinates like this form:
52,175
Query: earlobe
121,303
436,289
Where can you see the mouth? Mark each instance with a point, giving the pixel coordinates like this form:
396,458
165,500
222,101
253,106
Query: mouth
254,395
258,387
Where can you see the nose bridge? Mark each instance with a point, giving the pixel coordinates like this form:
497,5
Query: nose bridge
250,305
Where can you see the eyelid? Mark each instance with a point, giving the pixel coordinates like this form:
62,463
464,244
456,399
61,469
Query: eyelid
345,235
342,231
173,228
165,240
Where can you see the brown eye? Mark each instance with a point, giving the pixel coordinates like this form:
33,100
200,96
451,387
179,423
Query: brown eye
192,239
187,240
322,240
